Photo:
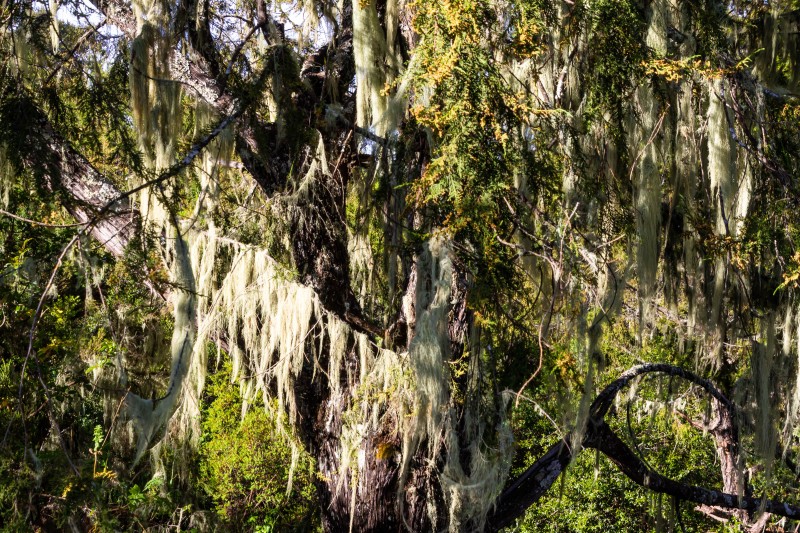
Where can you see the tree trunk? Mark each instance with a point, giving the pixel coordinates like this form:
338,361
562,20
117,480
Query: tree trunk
86,193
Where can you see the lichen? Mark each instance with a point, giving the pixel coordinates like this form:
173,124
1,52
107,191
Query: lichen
377,63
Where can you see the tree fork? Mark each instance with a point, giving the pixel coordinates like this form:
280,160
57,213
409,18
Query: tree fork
526,489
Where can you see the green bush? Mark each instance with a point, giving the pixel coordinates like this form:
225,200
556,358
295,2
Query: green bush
245,464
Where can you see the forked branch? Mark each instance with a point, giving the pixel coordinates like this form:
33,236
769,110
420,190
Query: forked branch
525,490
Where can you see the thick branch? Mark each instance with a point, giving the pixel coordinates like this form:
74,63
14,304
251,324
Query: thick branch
602,403
536,480
530,486
88,191
326,74
601,438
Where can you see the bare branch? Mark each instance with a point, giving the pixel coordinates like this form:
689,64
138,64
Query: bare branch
536,480
601,438
602,403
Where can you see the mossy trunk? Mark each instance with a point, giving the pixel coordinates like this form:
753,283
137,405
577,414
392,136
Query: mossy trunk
374,505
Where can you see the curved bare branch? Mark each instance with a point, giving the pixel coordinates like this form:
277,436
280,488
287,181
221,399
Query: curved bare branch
602,403
525,490
601,438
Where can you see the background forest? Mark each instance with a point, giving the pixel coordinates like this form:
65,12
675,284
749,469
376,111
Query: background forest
391,265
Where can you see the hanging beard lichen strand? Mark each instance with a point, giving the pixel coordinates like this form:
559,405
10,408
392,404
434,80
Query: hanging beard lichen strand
155,100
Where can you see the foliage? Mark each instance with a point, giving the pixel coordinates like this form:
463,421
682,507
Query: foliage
483,128
245,466
615,66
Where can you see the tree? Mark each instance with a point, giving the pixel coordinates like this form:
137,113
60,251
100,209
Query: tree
443,190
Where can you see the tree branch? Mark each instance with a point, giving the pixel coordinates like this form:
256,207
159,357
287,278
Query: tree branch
531,485
601,438
525,490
